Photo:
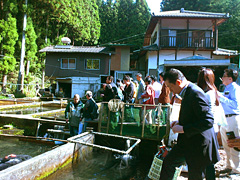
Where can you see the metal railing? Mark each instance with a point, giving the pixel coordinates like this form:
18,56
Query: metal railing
147,121
187,42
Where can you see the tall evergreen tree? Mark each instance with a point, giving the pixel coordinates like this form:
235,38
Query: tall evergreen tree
124,14
196,5
31,47
139,22
8,29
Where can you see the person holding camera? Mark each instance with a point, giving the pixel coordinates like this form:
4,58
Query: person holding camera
234,143
230,100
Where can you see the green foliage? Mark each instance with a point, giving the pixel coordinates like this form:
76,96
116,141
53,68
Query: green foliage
9,33
121,20
31,46
3,97
18,94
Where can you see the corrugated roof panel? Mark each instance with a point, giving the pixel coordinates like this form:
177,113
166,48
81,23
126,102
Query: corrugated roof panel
83,49
186,13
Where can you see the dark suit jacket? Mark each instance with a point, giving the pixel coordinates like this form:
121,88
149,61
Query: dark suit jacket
110,92
198,140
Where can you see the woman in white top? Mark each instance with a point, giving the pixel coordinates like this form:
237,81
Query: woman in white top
205,81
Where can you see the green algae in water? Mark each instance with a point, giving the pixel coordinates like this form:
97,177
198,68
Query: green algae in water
14,146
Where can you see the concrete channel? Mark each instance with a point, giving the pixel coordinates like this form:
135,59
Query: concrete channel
45,164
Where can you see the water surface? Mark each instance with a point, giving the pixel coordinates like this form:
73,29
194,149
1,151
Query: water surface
103,166
14,146
29,110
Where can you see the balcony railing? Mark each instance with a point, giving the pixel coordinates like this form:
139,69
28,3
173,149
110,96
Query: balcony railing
187,42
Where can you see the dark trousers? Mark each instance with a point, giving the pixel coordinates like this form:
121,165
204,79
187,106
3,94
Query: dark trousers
73,130
176,158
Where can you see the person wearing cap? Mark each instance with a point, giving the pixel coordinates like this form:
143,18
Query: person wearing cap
73,114
88,109
230,100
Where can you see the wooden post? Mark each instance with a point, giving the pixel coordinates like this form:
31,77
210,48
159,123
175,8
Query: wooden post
108,120
38,126
143,122
121,129
100,118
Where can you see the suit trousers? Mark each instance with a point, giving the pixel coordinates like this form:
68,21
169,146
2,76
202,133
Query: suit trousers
233,157
176,158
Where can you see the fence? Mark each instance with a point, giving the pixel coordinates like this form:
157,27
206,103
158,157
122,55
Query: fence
138,120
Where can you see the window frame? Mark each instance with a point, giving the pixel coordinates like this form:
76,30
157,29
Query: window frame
68,63
92,61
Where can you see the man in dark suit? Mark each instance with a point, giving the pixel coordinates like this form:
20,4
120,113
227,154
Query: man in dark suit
197,143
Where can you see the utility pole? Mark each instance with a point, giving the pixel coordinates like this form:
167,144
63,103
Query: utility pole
21,67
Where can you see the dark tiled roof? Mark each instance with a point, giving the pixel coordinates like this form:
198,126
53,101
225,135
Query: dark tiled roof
83,49
191,14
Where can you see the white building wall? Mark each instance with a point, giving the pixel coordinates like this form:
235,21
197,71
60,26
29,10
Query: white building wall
170,55
155,30
82,84
152,60
183,54
166,54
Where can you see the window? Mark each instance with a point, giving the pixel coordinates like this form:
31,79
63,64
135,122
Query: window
68,63
92,64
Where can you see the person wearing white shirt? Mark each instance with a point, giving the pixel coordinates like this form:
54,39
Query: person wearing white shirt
157,88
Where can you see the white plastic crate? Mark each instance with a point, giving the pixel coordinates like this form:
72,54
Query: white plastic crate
156,167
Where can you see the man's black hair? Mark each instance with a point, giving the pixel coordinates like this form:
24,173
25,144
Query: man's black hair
154,78
148,79
119,80
231,73
110,78
161,74
126,77
172,75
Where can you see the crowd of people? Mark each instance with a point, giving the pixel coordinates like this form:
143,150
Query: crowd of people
202,109
204,113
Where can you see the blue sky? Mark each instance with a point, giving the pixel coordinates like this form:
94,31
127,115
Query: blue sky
154,5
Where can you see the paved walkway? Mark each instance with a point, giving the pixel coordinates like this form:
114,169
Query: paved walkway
219,166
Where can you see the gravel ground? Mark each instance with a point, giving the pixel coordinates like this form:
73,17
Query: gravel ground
219,166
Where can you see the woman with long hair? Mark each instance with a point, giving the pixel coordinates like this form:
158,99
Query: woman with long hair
206,79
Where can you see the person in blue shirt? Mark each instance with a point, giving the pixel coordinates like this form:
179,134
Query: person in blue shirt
230,100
